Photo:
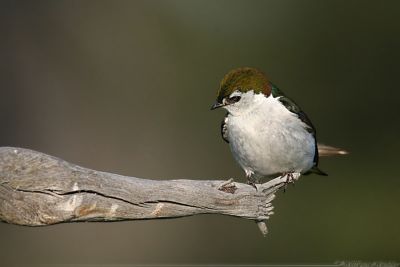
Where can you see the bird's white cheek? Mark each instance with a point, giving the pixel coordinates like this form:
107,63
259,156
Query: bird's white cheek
228,107
233,109
238,108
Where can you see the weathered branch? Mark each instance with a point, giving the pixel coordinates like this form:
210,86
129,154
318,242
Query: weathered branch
37,189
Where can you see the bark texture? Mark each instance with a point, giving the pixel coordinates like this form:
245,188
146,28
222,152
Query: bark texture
37,189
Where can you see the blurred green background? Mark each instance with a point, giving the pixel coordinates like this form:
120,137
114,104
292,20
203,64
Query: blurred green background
126,86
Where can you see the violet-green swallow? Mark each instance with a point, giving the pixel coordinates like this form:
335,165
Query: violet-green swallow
268,133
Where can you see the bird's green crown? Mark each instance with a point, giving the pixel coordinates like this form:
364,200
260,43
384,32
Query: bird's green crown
244,80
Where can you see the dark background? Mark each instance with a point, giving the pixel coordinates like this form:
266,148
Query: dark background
126,86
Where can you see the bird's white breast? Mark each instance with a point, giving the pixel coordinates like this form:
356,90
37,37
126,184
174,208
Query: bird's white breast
268,139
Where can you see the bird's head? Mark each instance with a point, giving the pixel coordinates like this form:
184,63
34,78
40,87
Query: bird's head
238,89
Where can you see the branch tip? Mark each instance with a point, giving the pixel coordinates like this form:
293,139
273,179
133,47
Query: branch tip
263,227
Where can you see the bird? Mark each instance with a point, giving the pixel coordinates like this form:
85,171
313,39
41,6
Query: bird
269,135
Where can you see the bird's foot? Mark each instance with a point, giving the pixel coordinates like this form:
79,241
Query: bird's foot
289,179
252,183
227,186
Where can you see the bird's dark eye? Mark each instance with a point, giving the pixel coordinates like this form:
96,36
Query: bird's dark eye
234,99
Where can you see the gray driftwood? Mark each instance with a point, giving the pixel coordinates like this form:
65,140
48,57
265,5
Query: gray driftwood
37,189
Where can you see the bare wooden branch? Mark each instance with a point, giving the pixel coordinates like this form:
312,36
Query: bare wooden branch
37,189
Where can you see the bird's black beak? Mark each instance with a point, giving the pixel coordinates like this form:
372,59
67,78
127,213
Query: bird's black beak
216,105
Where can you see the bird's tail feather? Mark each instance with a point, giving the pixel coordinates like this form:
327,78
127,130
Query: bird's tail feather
326,151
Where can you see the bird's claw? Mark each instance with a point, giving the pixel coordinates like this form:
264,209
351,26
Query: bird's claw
252,183
289,179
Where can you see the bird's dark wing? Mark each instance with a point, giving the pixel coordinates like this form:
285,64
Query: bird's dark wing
293,107
224,129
